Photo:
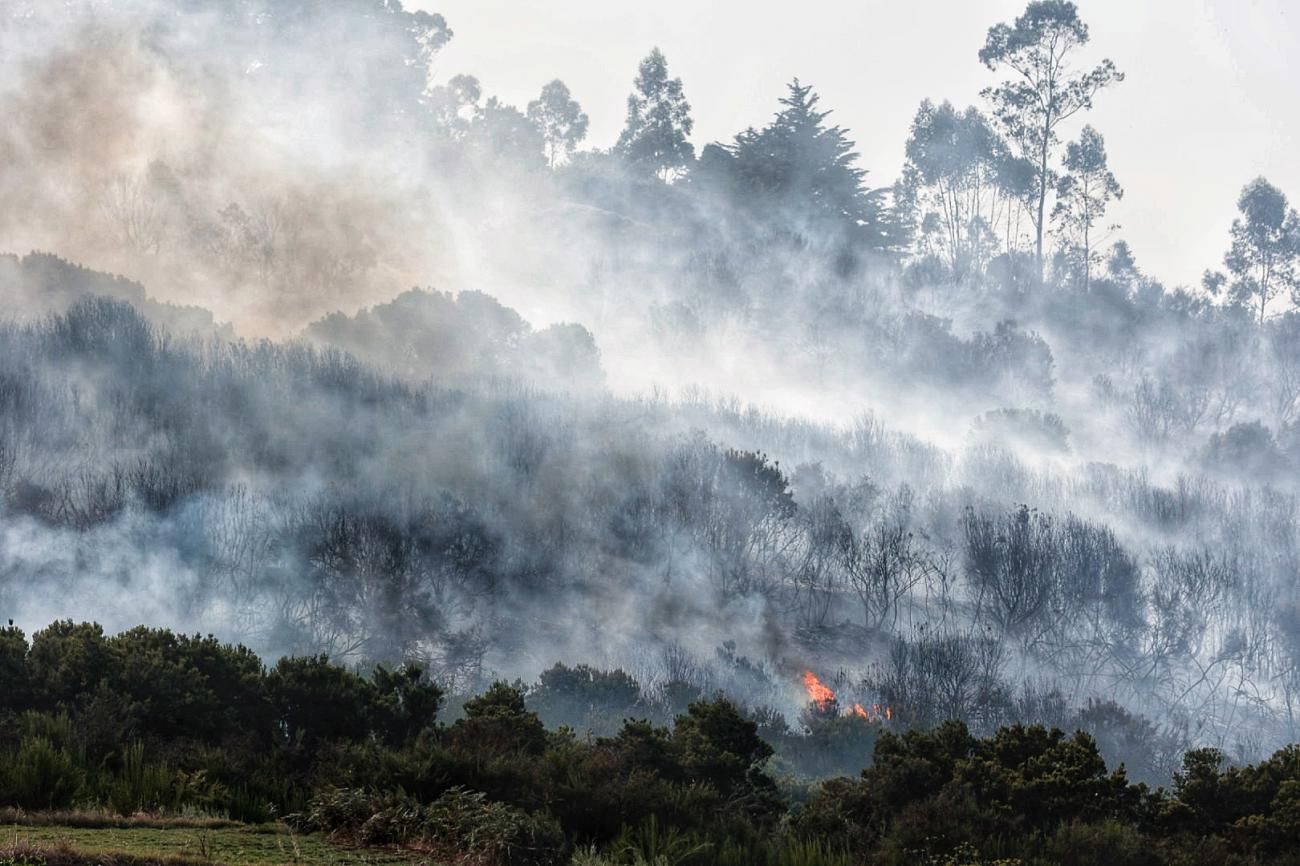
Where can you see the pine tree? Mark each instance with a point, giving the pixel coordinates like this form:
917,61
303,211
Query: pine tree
804,171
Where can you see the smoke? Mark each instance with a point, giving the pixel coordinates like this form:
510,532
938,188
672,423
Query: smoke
623,422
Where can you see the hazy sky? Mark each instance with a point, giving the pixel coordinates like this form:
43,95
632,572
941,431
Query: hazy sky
1209,101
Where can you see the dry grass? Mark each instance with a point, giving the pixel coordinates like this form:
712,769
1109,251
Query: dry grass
95,819
40,841
62,855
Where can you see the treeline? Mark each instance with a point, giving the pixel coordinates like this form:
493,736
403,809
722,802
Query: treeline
152,721
771,244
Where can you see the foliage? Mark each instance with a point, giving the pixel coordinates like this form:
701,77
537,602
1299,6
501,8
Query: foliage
800,172
1082,194
560,118
497,787
654,137
1042,93
1265,249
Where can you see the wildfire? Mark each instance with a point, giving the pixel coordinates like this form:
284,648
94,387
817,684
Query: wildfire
822,697
877,713
818,692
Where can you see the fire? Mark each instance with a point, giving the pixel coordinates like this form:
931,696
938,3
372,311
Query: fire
822,697
818,692
877,713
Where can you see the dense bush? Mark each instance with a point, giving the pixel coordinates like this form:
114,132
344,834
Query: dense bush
39,775
363,758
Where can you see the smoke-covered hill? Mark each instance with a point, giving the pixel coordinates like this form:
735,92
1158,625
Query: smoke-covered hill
715,419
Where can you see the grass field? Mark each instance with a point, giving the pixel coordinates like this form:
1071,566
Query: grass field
38,843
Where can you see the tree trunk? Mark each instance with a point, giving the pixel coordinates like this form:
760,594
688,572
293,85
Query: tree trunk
1042,200
1087,261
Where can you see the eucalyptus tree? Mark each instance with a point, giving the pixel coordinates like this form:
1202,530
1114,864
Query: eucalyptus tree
1082,195
957,165
1262,260
1042,92
655,135
560,119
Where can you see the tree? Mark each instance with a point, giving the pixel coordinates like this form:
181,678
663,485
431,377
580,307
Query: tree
1042,93
583,697
560,118
804,171
67,662
315,701
1083,194
956,168
431,34
404,703
454,105
721,747
882,567
658,120
13,668
1283,351
1012,565
1265,247
499,722
501,134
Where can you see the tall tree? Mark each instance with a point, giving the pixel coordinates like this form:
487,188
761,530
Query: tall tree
804,171
1082,195
1265,247
560,118
1042,92
658,120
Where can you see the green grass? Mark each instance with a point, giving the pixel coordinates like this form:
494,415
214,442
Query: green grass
237,845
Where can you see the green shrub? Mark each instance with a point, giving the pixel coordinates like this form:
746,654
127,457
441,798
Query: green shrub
790,851
242,804
585,698
467,822
652,842
142,786
55,727
394,824
335,810
967,855
498,722
1108,843
781,851
39,775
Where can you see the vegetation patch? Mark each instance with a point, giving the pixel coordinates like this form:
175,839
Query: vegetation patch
179,844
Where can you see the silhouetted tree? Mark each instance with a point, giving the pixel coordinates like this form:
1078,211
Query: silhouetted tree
1265,247
1082,195
506,136
561,120
658,120
957,166
1043,93
452,106
802,173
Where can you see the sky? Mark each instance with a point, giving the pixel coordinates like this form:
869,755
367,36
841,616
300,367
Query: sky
1209,102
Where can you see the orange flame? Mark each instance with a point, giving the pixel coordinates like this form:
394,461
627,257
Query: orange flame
823,698
818,692
877,713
